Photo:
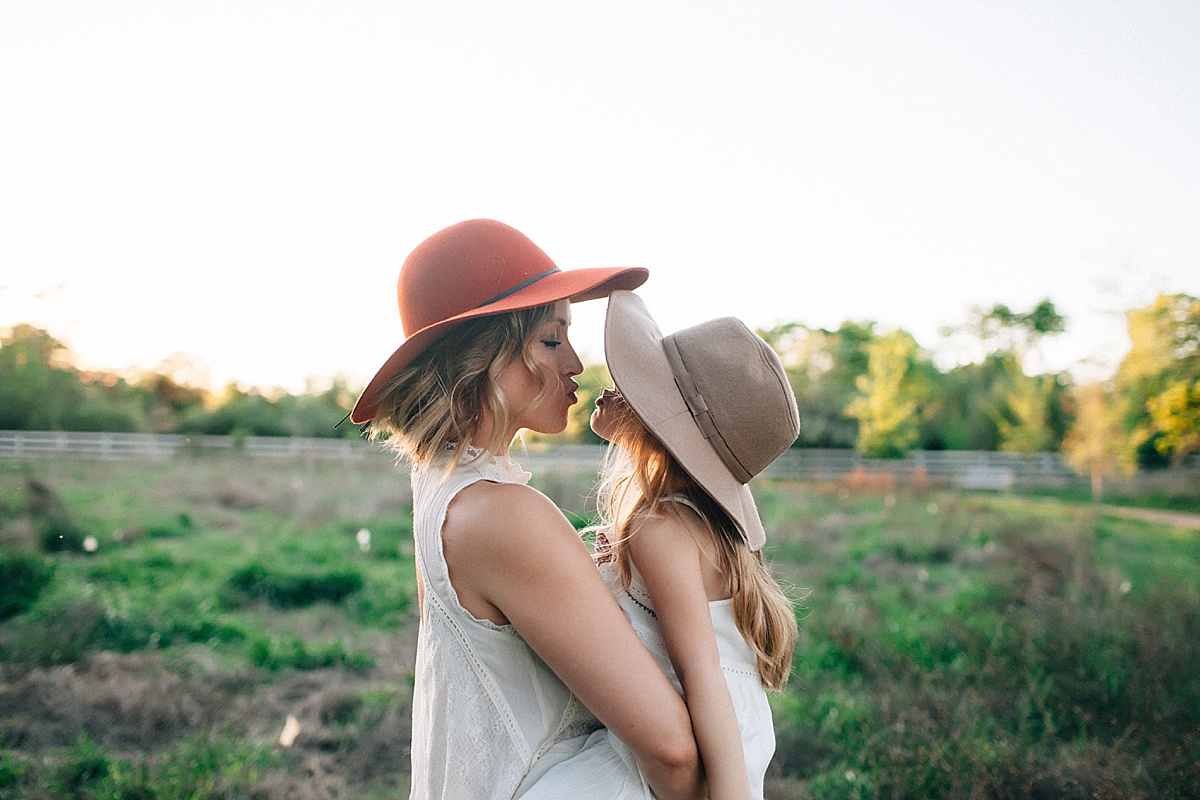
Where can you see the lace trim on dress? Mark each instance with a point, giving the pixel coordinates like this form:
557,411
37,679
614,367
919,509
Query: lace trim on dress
742,669
640,604
491,465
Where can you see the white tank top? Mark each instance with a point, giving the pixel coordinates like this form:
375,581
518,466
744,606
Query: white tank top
485,706
738,662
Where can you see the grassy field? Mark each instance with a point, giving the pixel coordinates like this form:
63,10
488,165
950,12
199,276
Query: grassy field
161,622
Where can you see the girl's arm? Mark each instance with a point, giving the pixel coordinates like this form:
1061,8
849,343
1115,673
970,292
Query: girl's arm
666,552
515,558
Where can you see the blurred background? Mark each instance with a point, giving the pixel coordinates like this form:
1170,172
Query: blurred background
986,213
970,230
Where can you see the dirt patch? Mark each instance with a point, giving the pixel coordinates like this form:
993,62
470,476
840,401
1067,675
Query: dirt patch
354,728
1179,519
127,701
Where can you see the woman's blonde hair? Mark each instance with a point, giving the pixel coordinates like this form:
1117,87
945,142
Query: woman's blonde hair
640,476
436,404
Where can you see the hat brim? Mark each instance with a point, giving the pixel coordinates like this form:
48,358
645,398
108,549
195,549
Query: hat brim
575,285
642,374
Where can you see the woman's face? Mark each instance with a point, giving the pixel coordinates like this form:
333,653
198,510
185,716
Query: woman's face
611,413
556,359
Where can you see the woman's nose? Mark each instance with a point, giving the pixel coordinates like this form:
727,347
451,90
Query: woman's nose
573,365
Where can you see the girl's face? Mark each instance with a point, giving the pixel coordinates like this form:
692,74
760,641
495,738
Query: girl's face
612,412
556,359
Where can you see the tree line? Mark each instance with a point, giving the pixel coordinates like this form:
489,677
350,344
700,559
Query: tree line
42,389
881,393
857,386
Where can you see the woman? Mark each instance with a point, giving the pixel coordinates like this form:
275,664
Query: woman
517,627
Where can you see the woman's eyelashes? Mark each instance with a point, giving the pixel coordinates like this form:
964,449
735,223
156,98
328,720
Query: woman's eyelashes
554,337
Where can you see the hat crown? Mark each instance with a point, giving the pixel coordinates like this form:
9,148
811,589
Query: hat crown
463,267
737,390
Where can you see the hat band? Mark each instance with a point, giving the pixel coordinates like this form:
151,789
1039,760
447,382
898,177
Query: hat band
517,288
700,413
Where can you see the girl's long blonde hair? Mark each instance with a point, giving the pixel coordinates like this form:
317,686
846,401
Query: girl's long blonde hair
639,476
436,404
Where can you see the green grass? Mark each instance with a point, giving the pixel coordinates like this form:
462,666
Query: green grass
1166,490
195,768
952,645
214,588
986,646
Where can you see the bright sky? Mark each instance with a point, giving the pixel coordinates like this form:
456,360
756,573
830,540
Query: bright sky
240,181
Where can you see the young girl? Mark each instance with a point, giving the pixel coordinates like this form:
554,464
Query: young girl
694,416
516,625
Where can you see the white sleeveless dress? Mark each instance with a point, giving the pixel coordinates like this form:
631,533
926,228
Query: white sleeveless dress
602,767
737,662
485,707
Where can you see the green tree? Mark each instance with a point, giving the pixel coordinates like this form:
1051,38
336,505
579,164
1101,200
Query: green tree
959,415
1175,418
823,367
1027,412
890,396
39,386
41,389
1001,328
166,401
318,411
1027,409
107,403
1157,379
238,413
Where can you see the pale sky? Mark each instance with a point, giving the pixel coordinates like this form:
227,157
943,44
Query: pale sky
240,181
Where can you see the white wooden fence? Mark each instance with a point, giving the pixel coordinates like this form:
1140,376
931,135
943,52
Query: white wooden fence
965,469
115,446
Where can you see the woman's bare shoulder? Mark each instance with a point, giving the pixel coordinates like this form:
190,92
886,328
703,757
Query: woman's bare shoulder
502,514
505,546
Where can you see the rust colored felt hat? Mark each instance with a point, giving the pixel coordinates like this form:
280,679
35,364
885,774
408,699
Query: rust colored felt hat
475,269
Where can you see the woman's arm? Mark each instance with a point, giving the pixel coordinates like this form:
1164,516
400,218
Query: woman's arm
514,557
666,553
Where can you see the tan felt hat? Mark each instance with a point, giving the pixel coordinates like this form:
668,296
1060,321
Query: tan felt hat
715,395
